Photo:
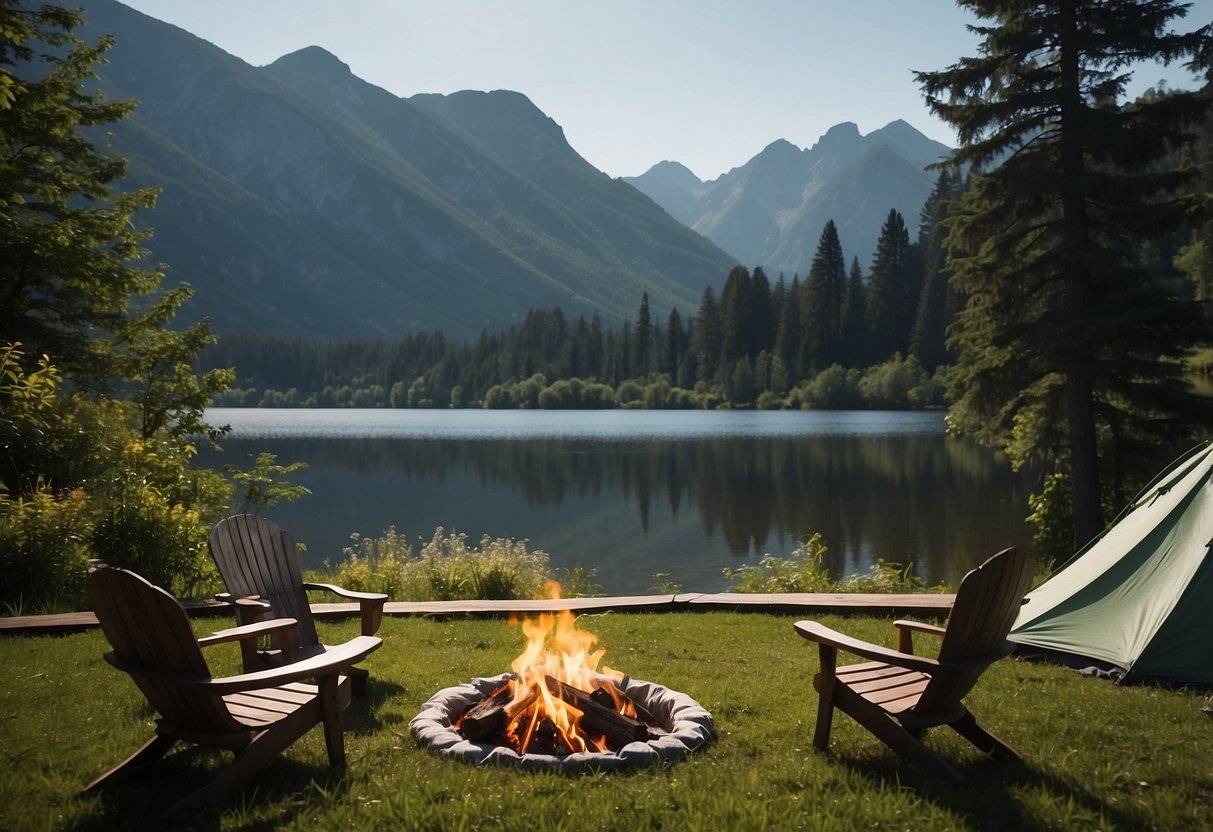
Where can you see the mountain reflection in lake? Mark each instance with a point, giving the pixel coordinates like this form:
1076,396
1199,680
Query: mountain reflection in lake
637,493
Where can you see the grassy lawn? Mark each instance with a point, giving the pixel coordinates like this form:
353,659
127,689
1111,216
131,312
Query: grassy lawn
1096,756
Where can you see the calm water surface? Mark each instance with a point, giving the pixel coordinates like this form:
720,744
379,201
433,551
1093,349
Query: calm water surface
634,493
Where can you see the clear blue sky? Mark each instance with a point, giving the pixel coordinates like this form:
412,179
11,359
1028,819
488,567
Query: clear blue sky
708,83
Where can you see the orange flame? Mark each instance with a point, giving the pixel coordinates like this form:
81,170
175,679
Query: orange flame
556,648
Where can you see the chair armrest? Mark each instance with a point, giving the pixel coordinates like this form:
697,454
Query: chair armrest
260,628
370,604
248,609
324,661
824,635
905,629
346,593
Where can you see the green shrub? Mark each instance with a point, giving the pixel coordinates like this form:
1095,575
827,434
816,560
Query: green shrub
447,569
804,571
629,393
1201,361
155,514
768,400
887,577
577,394
498,569
44,551
375,564
834,388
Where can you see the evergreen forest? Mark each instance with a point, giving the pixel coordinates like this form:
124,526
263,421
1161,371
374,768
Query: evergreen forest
839,338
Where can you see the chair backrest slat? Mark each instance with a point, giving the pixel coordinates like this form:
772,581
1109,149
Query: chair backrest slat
148,627
987,602
256,557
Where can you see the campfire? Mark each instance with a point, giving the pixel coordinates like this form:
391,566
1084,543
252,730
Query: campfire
561,707
558,702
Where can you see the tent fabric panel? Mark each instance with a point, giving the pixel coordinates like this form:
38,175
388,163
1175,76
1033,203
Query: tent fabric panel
1120,600
1182,649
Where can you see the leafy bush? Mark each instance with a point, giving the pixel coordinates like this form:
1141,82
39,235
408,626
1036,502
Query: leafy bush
577,394
265,483
1201,361
375,564
804,571
629,393
155,513
446,569
44,551
887,577
834,388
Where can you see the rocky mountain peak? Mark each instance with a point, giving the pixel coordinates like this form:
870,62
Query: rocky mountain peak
315,62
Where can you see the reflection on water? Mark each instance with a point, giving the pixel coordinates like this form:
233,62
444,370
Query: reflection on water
685,496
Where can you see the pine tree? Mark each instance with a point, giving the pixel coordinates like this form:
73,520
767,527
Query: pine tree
1066,342
762,314
675,347
706,338
855,320
645,356
789,334
936,303
893,288
736,312
68,288
66,240
822,301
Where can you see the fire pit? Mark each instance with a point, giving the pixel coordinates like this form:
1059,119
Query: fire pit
557,710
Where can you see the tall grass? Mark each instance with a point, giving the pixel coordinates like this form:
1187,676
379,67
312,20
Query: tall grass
805,571
448,569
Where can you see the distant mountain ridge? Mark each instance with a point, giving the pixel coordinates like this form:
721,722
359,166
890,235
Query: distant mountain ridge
300,200
771,210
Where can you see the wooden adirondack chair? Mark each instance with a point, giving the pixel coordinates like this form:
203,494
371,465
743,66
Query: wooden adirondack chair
898,695
259,565
255,715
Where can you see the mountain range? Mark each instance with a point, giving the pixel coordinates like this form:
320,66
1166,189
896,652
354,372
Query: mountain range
300,200
772,209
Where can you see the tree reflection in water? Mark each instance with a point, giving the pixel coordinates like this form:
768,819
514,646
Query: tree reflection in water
687,507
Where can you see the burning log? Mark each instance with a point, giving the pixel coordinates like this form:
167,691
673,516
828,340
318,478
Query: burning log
493,713
614,699
619,730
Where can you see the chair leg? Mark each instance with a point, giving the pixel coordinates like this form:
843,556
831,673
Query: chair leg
826,683
893,734
358,677
150,752
968,728
331,706
264,747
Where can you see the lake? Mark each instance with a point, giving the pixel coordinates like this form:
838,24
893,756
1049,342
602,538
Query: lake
634,493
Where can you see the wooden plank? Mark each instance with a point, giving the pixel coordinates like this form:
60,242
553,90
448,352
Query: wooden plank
931,604
628,603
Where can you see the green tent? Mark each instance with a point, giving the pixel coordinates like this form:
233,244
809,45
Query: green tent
1138,601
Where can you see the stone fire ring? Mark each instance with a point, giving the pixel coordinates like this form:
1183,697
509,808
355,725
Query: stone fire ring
688,724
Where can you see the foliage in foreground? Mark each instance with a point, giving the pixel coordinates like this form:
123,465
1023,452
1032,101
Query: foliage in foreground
1096,756
84,483
100,404
804,571
447,569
